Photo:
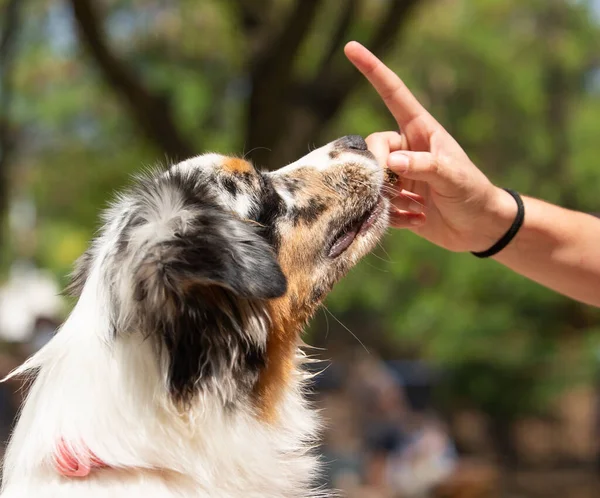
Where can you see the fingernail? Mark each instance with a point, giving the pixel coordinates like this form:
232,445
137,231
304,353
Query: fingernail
416,221
415,207
398,162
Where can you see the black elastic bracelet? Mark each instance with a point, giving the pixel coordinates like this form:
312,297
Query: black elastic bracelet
512,231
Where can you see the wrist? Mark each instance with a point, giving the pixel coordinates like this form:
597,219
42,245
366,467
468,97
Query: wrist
498,215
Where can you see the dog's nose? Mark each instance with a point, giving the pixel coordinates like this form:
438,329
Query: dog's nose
355,142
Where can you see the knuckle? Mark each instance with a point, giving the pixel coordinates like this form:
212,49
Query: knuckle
440,163
373,138
430,165
461,177
380,136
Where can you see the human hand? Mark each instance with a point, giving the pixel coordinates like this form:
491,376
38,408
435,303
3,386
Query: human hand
442,195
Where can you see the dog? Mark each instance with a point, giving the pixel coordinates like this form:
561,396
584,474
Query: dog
179,372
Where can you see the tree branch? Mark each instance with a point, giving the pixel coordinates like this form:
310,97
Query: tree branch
271,74
253,14
8,46
328,92
340,35
393,22
278,54
339,84
255,17
286,115
150,111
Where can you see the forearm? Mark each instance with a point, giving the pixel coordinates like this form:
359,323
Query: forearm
559,249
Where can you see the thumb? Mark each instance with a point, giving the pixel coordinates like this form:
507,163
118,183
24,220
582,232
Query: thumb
423,166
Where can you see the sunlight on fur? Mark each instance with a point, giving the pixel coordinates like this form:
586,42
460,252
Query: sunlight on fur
179,371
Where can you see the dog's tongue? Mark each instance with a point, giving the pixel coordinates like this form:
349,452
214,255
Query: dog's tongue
343,242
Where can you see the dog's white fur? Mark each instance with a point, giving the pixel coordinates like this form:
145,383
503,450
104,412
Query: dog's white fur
112,395
82,372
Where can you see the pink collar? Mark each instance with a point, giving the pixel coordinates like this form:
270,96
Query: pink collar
69,463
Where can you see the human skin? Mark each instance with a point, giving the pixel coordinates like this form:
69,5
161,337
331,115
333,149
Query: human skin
446,199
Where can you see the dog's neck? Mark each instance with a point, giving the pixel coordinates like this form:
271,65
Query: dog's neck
110,396
282,357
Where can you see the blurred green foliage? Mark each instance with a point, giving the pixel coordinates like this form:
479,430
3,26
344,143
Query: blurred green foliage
513,80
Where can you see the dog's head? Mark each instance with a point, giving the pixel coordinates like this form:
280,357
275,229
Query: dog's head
222,264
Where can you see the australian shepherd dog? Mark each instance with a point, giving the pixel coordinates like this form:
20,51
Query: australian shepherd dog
179,372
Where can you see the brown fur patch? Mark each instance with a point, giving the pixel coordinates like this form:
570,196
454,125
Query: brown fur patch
289,315
276,376
299,256
236,166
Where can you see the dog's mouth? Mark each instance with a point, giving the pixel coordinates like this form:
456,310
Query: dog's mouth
344,238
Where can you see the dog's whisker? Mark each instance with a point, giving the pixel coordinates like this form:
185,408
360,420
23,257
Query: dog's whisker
327,324
347,329
380,258
380,244
382,270
246,154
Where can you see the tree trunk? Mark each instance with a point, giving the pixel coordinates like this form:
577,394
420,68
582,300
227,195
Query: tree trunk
10,27
286,117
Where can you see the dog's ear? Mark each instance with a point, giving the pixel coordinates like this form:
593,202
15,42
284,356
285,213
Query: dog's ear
215,248
230,253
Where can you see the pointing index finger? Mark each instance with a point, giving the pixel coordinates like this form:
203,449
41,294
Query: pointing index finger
397,97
